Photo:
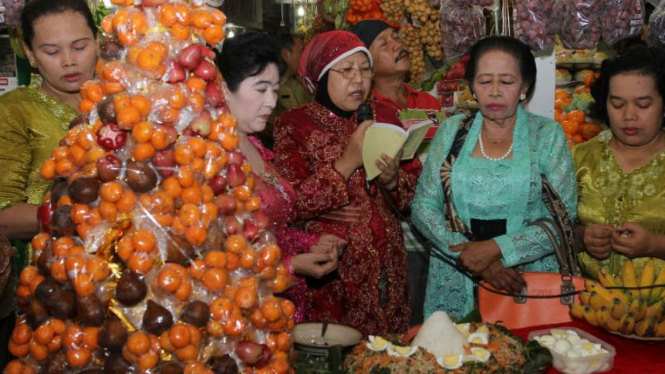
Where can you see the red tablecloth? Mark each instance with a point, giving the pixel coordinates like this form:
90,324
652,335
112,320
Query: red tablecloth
632,356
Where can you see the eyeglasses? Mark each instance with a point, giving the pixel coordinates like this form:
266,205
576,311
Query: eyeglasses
350,72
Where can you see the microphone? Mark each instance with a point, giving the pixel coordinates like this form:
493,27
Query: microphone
364,113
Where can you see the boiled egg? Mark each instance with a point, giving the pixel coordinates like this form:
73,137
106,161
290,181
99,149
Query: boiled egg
546,340
397,351
478,354
377,343
450,361
483,329
562,346
463,328
479,338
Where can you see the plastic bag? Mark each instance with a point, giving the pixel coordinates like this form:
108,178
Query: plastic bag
623,19
153,240
657,26
462,26
580,28
481,3
537,22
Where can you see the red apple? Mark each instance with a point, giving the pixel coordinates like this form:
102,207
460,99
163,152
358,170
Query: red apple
235,176
164,162
250,230
206,70
217,184
175,72
190,57
231,224
153,3
214,95
226,204
201,125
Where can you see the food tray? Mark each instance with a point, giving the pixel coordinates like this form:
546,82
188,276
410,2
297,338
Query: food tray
599,363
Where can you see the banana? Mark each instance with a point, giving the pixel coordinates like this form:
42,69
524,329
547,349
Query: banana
584,297
646,327
656,310
590,285
621,295
590,316
597,300
577,311
660,329
602,316
628,277
646,279
619,309
612,324
627,324
606,279
638,309
655,292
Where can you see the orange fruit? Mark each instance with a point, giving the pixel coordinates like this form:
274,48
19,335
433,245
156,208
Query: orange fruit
167,16
127,202
213,34
215,279
142,152
169,280
159,139
577,138
196,235
143,240
182,14
180,32
196,84
235,243
576,116
149,60
111,191
246,298
138,343
215,259
570,127
589,130
141,103
78,357
128,117
179,335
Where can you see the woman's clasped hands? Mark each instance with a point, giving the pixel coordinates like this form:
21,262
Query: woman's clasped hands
483,259
322,259
630,239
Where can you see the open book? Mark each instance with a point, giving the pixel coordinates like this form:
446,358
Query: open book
389,139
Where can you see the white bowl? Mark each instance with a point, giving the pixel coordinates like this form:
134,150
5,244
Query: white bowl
309,335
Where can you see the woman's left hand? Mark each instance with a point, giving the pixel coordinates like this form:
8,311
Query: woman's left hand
477,256
389,170
634,240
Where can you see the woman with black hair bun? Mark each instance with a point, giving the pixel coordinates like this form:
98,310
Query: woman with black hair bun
60,40
621,172
488,176
249,66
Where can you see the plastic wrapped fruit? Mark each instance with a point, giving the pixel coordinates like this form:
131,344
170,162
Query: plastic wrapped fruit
537,22
657,26
462,27
143,265
580,28
622,19
481,3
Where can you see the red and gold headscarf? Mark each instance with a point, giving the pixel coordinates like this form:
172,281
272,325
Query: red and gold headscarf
324,51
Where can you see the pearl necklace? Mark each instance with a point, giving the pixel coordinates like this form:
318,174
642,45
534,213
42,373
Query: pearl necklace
482,150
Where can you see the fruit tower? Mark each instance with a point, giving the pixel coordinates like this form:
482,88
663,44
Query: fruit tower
153,254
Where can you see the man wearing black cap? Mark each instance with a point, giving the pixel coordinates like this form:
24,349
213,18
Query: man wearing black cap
391,65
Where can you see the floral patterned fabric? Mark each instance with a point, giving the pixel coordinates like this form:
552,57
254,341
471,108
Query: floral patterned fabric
509,189
277,198
369,291
610,196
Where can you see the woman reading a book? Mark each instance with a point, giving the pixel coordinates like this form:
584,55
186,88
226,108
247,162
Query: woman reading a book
319,151
249,65
486,179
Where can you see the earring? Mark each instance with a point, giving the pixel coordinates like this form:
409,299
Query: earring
474,95
523,97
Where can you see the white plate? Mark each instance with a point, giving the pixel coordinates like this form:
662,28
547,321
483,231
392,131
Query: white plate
309,334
